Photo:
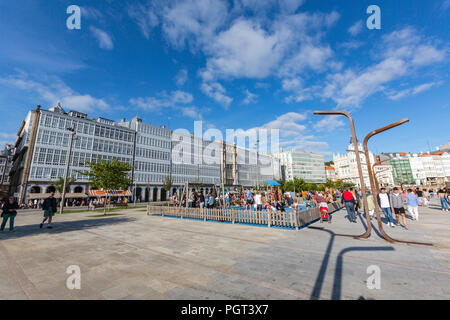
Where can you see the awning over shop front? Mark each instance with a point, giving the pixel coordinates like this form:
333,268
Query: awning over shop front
109,193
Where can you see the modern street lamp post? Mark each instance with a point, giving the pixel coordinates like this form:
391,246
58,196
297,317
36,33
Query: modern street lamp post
63,196
373,178
358,163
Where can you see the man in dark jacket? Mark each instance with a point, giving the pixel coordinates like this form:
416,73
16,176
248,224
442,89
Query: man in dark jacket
9,212
49,207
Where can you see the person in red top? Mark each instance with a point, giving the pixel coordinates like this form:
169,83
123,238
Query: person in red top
349,201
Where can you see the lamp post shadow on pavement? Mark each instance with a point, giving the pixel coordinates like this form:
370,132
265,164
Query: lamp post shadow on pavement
366,234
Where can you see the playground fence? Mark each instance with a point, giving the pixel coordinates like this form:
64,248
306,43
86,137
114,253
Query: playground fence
294,219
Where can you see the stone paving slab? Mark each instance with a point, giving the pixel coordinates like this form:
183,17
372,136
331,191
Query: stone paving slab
135,256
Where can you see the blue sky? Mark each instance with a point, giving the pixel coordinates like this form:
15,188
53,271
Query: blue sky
236,64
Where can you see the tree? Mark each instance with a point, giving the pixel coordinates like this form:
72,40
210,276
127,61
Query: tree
167,184
108,175
329,163
59,184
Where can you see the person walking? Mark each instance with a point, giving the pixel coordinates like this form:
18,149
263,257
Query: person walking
349,201
419,194
442,195
412,204
384,201
248,201
201,198
9,211
399,206
258,201
370,203
49,207
192,199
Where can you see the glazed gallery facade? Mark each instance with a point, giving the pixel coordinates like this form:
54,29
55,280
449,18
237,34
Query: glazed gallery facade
155,152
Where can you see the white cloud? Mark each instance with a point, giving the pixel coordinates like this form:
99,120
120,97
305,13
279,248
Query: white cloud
163,100
308,57
288,124
249,97
91,13
181,77
306,144
262,7
242,40
329,123
192,112
53,89
292,133
412,91
193,20
181,97
144,16
216,91
290,44
104,39
244,50
297,92
356,28
290,6
403,52
7,138
84,102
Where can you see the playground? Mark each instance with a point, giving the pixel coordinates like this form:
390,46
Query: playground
288,218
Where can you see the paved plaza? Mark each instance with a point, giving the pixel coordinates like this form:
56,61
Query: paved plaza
135,256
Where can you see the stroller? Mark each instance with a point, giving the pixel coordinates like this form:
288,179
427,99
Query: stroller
324,216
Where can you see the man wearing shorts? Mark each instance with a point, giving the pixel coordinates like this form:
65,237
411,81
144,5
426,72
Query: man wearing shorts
49,207
398,206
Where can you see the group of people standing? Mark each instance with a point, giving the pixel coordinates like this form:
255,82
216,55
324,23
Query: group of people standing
257,200
10,207
395,201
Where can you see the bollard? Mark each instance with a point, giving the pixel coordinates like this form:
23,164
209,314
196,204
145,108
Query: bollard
269,217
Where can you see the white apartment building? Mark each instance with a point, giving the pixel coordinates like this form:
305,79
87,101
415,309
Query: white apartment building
35,172
303,165
426,169
347,169
151,149
384,175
